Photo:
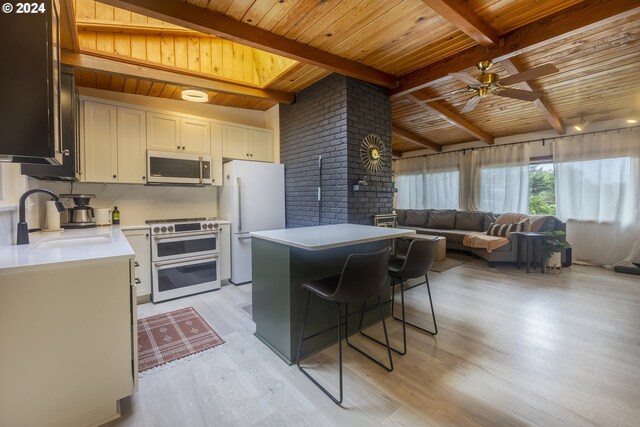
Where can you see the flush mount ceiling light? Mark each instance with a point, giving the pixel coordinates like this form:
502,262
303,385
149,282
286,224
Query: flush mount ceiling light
632,121
194,95
581,125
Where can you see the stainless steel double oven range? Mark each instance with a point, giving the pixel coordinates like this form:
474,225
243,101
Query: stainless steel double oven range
185,257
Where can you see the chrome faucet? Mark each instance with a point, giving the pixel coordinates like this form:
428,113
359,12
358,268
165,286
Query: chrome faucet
23,228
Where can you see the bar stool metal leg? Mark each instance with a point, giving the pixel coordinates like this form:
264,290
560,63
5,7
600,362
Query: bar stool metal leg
313,380
433,314
404,329
386,337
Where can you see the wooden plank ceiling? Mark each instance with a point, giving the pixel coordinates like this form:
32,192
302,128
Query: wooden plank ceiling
282,46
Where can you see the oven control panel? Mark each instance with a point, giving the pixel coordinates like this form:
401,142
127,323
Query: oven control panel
184,227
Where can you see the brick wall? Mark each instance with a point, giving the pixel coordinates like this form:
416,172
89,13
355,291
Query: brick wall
330,118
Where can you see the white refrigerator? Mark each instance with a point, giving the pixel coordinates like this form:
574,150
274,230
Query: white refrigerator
252,198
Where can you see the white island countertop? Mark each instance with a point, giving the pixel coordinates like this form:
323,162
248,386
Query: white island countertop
330,236
46,248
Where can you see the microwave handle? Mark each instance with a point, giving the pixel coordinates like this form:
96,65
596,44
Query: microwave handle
239,206
200,158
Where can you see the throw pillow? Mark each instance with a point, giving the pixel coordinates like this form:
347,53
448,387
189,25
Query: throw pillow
503,230
416,218
442,219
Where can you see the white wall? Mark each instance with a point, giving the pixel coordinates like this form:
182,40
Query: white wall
537,148
13,185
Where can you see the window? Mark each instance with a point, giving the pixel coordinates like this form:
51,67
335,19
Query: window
542,189
1,185
431,182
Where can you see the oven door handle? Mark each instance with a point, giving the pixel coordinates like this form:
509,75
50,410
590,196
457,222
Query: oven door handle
184,260
179,236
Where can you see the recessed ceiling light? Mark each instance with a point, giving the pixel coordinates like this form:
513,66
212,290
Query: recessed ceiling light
194,95
632,121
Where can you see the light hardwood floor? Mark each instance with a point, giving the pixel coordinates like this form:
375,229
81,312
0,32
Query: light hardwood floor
513,349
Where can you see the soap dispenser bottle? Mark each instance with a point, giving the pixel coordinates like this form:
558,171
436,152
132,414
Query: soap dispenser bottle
115,216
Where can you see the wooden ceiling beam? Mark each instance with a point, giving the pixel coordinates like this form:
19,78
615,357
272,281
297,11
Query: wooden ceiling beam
583,16
512,66
396,153
454,118
102,26
413,138
125,67
205,21
466,20
68,29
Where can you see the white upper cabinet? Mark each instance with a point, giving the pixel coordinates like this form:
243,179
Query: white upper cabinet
247,144
195,136
132,146
100,142
168,132
163,132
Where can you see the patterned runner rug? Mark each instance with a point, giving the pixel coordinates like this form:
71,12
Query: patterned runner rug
171,336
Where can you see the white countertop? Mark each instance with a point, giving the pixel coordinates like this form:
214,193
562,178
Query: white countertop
330,236
66,246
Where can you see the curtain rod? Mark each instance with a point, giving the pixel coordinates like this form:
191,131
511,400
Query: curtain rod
543,140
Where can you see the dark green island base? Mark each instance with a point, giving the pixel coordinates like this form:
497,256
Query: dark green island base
278,300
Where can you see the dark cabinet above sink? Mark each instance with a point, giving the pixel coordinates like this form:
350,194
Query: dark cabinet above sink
30,81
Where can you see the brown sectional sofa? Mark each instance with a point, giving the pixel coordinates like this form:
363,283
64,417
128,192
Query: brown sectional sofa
455,225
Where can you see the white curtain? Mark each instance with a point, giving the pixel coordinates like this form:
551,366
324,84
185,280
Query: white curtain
500,179
428,182
598,195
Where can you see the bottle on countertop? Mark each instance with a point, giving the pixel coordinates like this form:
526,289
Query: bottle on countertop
115,216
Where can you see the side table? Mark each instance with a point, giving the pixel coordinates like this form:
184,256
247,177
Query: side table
529,239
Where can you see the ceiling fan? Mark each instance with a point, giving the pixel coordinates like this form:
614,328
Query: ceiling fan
490,83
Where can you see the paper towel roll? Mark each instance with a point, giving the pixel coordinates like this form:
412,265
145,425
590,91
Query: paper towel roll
53,216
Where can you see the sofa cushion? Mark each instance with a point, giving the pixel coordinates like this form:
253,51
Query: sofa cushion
442,219
469,221
417,218
401,216
503,230
455,235
489,217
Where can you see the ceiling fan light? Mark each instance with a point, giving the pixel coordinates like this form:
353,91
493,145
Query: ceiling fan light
194,95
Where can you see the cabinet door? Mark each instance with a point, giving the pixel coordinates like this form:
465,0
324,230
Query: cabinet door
163,132
141,245
132,146
100,141
195,136
261,146
234,142
216,153
224,237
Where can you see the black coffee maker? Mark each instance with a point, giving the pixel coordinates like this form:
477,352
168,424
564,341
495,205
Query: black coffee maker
81,215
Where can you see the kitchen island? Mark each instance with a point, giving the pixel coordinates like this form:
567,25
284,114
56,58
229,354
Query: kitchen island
68,349
284,259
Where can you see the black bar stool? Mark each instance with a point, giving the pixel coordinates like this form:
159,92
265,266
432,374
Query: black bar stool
363,276
417,263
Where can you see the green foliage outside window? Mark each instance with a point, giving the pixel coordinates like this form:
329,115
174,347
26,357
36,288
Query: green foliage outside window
542,190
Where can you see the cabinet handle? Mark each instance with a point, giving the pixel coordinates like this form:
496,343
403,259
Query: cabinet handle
138,281
136,264
183,147
146,235
114,176
144,177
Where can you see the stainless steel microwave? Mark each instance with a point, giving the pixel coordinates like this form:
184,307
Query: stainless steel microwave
178,168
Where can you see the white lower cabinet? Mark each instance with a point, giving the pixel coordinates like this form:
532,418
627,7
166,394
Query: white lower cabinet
140,242
225,251
68,349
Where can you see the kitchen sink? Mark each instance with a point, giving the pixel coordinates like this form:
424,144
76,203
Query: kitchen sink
72,241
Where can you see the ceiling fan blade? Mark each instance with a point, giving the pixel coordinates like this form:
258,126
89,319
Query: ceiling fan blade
445,96
530,74
525,95
471,104
464,78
